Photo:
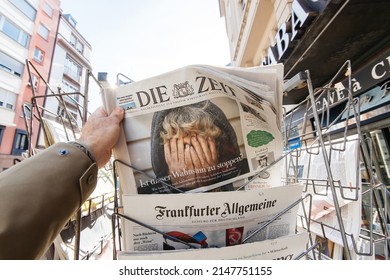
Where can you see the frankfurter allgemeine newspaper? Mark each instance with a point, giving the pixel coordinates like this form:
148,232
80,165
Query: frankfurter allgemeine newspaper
209,220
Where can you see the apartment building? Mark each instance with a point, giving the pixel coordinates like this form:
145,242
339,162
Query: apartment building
37,40
69,73
27,33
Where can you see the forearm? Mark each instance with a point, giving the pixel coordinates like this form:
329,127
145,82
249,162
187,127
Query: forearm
39,195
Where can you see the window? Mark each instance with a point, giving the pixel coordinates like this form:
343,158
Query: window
14,32
48,9
68,88
11,30
72,115
7,99
43,31
73,40
72,68
38,55
26,110
20,142
11,65
79,47
25,8
76,43
35,81
2,129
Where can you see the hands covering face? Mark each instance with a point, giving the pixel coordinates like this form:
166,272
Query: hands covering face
191,161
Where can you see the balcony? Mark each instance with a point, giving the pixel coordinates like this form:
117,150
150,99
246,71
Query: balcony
72,74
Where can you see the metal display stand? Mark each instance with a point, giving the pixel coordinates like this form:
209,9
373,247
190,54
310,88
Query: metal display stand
119,218
315,131
320,133
306,129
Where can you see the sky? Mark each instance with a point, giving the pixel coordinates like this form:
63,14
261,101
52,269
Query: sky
145,38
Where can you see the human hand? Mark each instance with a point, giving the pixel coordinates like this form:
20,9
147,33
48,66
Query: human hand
206,151
101,132
204,157
178,158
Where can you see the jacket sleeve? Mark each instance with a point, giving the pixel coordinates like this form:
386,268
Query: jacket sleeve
39,195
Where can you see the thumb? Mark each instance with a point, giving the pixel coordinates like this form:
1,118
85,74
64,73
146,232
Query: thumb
118,114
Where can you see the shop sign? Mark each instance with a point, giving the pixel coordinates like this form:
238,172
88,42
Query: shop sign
373,73
303,11
372,99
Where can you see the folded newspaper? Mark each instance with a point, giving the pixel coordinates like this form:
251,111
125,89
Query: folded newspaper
282,248
158,222
346,175
200,128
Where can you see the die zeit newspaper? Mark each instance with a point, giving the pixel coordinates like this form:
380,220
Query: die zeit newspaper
209,220
200,128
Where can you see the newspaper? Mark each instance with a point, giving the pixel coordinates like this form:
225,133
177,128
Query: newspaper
200,128
207,220
282,248
345,169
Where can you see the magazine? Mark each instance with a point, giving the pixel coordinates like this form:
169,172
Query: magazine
200,128
158,222
282,248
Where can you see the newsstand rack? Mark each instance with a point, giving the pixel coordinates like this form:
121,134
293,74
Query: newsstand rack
312,131
308,131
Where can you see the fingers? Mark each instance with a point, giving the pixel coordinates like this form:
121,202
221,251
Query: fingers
209,149
189,162
180,150
101,132
203,151
167,152
174,153
173,148
197,163
117,114
99,113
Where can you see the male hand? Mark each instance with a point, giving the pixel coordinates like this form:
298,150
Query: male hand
101,132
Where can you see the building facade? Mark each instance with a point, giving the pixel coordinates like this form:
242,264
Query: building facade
316,35
37,41
344,45
321,36
69,73
28,32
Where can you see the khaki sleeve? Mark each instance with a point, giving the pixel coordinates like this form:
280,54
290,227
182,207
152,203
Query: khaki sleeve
39,195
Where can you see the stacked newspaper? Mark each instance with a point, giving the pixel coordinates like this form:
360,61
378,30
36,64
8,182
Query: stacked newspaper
202,141
226,222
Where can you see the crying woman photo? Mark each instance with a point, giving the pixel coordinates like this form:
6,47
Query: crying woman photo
195,146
